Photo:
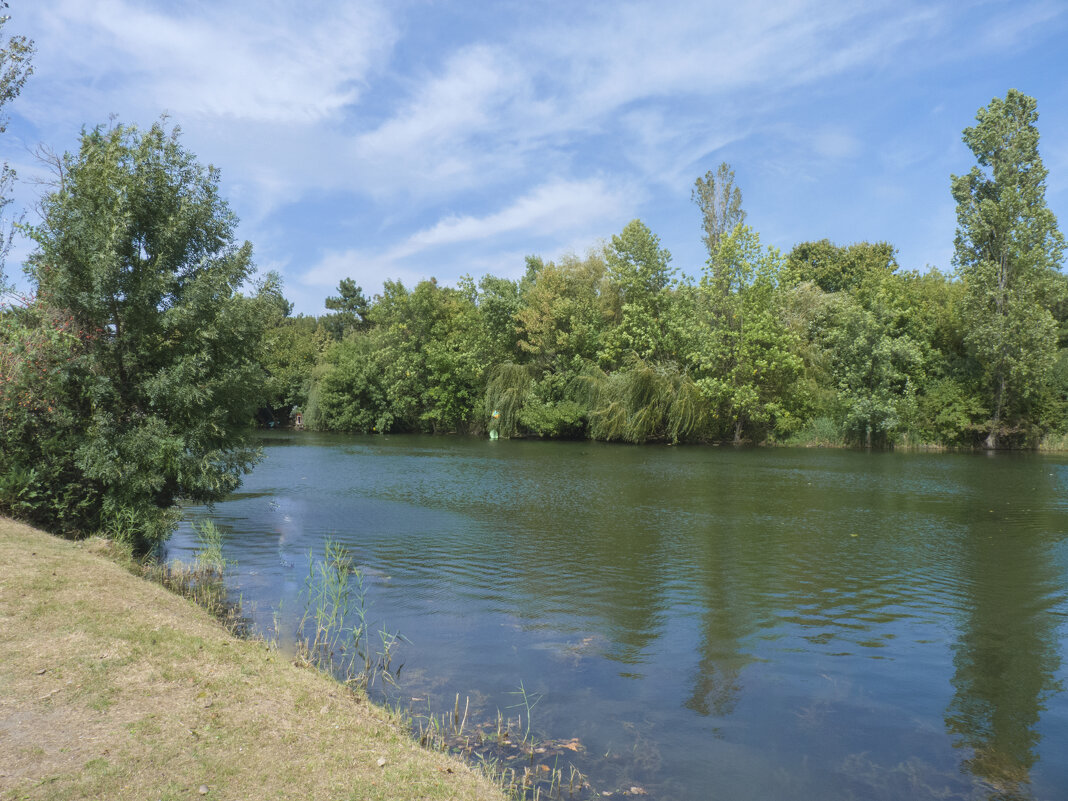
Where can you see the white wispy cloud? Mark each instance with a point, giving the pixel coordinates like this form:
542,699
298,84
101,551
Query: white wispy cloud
559,208
495,110
263,61
550,208
382,139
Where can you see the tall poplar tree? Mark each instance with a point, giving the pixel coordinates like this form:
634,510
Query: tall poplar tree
1008,252
720,202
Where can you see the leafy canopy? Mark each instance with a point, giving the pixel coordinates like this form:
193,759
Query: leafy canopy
137,249
1008,252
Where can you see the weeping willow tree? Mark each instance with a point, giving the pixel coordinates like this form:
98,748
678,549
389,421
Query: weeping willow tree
507,392
645,402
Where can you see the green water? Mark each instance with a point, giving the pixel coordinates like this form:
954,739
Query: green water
708,622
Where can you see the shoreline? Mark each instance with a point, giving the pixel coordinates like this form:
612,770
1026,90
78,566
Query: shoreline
113,686
1060,446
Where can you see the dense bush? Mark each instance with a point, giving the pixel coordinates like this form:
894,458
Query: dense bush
135,372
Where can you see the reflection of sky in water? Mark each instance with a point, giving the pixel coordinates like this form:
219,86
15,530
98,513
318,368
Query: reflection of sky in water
710,622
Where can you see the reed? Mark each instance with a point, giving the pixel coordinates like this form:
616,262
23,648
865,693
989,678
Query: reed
203,580
334,634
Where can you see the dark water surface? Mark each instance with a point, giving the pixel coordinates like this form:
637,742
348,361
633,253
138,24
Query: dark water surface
710,623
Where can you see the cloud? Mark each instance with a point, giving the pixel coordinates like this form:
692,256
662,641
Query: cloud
551,208
1014,26
371,136
665,85
556,209
273,61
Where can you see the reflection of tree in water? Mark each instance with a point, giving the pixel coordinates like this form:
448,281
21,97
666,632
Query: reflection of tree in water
717,681
1005,658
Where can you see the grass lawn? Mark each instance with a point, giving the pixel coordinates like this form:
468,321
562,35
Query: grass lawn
112,687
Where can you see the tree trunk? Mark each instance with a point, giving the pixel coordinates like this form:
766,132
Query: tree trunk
995,424
738,431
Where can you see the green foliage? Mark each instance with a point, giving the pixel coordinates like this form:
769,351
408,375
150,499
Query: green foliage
350,306
721,206
818,432
155,392
292,349
209,554
15,67
641,279
1008,251
498,304
334,634
553,409
562,313
507,391
644,402
951,412
418,367
839,269
38,348
352,392
746,358
873,370
832,344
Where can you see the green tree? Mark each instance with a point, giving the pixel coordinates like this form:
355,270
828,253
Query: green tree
350,310
836,269
498,303
641,276
873,368
747,358
1008,252
15,68
290,350
137,248
720,202
418,367
562,313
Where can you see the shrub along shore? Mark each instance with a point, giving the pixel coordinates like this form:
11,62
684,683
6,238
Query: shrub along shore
111,686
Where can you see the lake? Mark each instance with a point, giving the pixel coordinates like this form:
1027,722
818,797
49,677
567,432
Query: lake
706,623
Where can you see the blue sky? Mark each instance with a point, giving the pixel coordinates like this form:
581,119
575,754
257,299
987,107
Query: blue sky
411,138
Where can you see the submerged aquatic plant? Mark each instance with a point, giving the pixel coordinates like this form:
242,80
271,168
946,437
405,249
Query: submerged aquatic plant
527,702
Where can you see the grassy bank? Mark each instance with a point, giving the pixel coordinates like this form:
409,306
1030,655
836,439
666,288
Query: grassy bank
113,687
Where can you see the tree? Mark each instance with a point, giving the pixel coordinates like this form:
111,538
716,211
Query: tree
419,366
561,316
747,358
839,269
874,368
350,306
638,269
721,205
1008,250
15,68
137,249
289,351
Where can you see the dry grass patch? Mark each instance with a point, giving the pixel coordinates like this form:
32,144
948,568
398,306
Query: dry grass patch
112,687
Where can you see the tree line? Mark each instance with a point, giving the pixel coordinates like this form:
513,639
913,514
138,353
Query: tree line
131,376
828,343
